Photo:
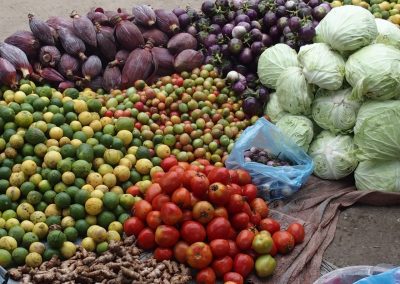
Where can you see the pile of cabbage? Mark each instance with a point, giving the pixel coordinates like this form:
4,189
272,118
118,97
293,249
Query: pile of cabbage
339,98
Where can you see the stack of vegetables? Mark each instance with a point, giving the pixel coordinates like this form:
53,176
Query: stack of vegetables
338,98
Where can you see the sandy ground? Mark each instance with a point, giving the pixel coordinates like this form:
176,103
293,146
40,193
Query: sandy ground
365,235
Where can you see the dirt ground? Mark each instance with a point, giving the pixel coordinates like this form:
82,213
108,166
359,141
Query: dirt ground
365,235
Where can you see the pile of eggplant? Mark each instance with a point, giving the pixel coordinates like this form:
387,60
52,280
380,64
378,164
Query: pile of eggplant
101,50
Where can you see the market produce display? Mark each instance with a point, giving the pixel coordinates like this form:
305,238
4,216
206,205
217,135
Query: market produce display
347,83
210,219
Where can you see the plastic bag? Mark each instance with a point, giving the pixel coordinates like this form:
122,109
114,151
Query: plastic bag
389,277
272,182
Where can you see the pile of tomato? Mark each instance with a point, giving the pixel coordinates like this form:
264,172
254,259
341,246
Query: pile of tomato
211,219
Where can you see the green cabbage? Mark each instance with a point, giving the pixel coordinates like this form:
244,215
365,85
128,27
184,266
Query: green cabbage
273,61
322,66
377,131
298,128
373,108
333,156
374,72
378,175
273,108
347,28
335,110
388,33
294,93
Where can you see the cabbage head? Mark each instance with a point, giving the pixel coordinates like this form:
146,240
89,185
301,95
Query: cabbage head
322,66
335,110
273,109
295,95
378,175
388,33
273,61
298,128
334,156
377,131
374,72
347,28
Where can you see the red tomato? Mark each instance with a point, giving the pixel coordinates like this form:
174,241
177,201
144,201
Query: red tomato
127,113
232,234
187,175
234,189
297,231
157,177
161,254
222,265
168,163
219,247
234,176
218,194
208,169
118,113
244,177
233,249
255,218
199,255
221,212
133,190
270,225
109,113
178,169
180,251
284,241
240,221
206,276
244,239
133,226
199,185
203,212
184,165
187,215
170,182
181,197
218,228
171,214
159,201
236,203
193,199
141,209
274,250
249,191
152,191
243,264
166,236
192,232
219,175
259,205
146,239
203,162
153,219
234,277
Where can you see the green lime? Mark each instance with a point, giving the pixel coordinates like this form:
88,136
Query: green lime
54,177
81,196
68,151
49,253
105,218
28,239
5,258
77,211
82,226
119,210
72,190
17,233
71,233
111,200
5,202
53,220
56,238
62,200
102,247
34,197
19,254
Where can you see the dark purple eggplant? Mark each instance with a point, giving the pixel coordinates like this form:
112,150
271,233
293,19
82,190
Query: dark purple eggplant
65,85
208,7
8,74
178,11
251,106
246,56
238,87
269,19
16,57
84,28
68,66
157,37
120,58
111,78
106,42
257,48
167,21
180,42
227,29
184,20
97,17
144,15
92,67
235,46
307,32
72,44
49,56
188,60
25,41
191,30
95,83
164,61
139,66
41,30
127,34
51,75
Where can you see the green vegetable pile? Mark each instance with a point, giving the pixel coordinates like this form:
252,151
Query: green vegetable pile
339,99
